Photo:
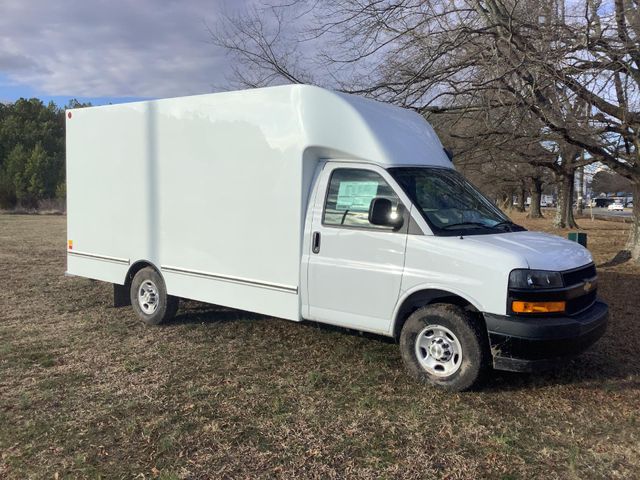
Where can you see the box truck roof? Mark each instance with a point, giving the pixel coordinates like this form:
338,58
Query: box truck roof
305,117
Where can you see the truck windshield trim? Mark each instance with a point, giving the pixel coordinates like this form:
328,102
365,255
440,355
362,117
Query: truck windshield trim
449,203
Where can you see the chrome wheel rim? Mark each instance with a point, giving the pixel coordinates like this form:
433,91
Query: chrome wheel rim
148,297
438,351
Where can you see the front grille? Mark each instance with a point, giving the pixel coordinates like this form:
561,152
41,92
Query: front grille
579,275
578,304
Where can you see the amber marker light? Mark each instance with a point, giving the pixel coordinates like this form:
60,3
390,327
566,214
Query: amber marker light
538,307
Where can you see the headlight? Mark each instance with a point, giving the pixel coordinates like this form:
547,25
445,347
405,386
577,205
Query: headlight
535,279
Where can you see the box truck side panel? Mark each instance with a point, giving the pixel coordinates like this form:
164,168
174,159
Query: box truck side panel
230,210
204,188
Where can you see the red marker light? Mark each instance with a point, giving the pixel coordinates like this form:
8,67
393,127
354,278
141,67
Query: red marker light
69,115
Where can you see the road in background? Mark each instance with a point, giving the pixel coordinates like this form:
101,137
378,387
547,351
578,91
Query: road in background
603,212
598,212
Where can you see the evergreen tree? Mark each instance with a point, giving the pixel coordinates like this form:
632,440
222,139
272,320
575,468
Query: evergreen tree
32,152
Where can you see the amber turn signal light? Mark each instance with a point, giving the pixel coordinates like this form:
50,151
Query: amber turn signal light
538,307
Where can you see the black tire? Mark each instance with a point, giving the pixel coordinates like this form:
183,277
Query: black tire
470,334
161,307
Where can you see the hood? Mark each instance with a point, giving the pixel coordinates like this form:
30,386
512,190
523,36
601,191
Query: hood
542,251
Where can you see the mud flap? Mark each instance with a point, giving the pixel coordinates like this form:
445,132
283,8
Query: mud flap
121,297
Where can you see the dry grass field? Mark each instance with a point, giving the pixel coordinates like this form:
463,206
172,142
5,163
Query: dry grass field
86,391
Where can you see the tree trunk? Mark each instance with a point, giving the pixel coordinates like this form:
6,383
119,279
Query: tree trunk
634,239
521,198
505,202
536,196
580,193
564,212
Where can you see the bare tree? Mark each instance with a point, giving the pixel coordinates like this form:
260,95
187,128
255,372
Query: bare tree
537,183
265,51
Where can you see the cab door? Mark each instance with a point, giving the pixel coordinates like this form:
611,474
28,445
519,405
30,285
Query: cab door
355,268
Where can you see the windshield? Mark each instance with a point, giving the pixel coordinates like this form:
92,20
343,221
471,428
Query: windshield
449,203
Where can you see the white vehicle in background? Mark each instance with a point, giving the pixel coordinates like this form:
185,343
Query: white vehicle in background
616,207
547,201
306,204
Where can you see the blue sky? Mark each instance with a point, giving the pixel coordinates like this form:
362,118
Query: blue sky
11,91
109,51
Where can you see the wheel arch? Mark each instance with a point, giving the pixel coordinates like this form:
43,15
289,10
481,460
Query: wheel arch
427,296
136,267
166,305
121,292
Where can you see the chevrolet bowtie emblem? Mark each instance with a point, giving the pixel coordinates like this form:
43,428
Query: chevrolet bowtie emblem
587,286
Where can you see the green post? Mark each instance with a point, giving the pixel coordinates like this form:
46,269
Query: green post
579,237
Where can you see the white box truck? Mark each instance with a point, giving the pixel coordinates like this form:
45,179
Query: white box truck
307,204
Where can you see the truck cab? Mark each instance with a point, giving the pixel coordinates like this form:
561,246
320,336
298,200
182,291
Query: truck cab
418,253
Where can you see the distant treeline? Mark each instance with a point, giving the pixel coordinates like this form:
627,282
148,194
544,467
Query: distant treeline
32,166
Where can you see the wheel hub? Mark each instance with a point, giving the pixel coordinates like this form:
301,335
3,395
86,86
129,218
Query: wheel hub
148,297
438,350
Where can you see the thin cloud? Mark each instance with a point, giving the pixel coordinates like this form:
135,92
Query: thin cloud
145,48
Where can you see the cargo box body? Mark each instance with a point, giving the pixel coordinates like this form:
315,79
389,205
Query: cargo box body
213,190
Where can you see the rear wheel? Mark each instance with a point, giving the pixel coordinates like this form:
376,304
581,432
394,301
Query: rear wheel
149,297
445,346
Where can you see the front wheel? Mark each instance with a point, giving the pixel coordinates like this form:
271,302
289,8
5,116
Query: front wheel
444,345
149,297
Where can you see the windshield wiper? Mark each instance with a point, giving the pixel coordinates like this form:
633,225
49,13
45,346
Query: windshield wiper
510,225
504,223
473,224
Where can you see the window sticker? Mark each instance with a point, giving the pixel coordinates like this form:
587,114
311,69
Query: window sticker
356,196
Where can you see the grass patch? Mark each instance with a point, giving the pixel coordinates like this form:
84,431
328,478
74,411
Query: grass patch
86,391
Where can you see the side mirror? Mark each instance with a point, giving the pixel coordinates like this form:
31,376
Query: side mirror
381,213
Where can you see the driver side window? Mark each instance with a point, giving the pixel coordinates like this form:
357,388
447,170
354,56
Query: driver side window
350,194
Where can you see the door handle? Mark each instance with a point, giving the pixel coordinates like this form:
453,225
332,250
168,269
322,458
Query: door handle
315,242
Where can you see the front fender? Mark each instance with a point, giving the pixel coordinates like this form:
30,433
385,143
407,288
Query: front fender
432,291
